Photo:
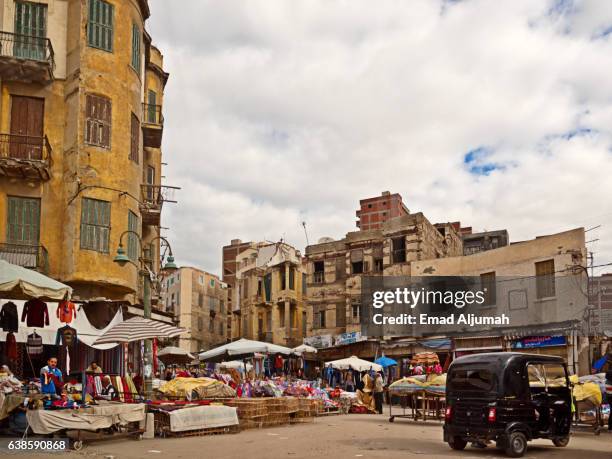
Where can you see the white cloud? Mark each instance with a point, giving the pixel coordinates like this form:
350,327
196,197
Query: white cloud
279,112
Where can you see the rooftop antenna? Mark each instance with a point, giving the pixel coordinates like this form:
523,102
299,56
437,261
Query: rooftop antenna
306,233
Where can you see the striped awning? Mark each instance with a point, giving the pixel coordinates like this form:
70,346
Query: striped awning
138,328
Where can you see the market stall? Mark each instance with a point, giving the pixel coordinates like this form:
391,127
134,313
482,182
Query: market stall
421,397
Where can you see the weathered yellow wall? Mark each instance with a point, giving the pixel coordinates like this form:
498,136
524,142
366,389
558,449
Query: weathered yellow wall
80,170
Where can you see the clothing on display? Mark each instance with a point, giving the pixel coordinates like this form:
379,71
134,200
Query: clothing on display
11,347
51,380
66,336
34,344
35,313
66,311
9,319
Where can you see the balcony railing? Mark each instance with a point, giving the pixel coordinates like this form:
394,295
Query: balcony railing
25,156
152,198
318,277
28,256
17,51
152,114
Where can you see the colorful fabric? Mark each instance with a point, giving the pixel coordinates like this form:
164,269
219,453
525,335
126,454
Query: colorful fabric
66,311
35,313
34,344
50,380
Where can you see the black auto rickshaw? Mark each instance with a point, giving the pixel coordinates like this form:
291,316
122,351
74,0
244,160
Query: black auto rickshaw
509,398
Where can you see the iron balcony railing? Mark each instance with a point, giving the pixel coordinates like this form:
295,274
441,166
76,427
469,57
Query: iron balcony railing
26,147
25,255
156,195
152,114
27,47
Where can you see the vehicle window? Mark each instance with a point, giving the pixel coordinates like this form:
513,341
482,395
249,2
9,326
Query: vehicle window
537,377
555,375
472,379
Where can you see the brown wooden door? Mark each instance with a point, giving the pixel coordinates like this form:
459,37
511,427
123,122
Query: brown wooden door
26,138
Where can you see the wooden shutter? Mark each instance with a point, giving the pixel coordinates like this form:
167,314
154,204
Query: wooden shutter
135,139
95,225
23,225
151,107
31,29
136,48
100,25
545,279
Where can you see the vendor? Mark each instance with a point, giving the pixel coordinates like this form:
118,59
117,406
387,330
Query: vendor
94,368
108,390
379,388
51,378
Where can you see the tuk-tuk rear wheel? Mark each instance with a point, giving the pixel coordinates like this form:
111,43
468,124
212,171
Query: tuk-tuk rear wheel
561,442
516,444
457,443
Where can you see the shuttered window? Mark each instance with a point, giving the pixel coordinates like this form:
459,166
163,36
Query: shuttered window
97,121
135,139
95,225
545,279
23,221
31,28
136,48
132,239
100,25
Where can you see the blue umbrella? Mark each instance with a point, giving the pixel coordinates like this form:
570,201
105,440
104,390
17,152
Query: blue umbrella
385,361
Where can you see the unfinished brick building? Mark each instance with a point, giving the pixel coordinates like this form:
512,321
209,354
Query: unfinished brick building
334,268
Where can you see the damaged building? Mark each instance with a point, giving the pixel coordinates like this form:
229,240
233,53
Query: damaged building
335,268
268,298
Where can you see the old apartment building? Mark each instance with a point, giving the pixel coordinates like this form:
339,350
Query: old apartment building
80,141
269,297
541,284
335,268
198,301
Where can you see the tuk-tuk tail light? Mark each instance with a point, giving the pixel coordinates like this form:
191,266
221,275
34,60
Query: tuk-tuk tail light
492,415
448,413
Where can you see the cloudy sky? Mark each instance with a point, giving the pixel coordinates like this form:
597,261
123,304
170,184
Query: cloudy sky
496,114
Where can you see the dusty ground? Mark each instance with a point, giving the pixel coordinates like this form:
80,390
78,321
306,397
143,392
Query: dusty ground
368,436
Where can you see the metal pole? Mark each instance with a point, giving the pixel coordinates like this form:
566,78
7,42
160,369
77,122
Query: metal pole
148,357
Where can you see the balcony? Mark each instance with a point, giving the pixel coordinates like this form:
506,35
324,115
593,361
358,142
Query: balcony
25,58
29,256
318,277
265,336
151,201
152,125
25,157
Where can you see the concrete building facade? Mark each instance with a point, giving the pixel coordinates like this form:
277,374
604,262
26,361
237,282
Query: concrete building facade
335,268
230,267
198,301
80,141
269,298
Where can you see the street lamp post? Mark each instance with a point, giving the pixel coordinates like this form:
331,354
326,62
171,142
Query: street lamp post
122,259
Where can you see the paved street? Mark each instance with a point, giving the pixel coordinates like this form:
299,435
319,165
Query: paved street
369,436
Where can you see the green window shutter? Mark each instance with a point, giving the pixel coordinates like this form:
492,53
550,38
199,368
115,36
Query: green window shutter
23,226
136,48
132,248
95,225
100,25
152,102
31,29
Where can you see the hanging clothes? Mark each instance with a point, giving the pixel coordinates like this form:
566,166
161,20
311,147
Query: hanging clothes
35,313
66,311
9,319
34,344
11,347
66,336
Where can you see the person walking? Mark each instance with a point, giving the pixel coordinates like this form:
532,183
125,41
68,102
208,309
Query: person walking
379,389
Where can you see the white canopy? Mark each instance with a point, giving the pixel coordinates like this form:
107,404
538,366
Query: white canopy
304,348
21,283
138,328
243,348
236,364
173,350
354,363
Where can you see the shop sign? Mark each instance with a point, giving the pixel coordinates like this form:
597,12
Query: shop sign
319,341
348,338
529,342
